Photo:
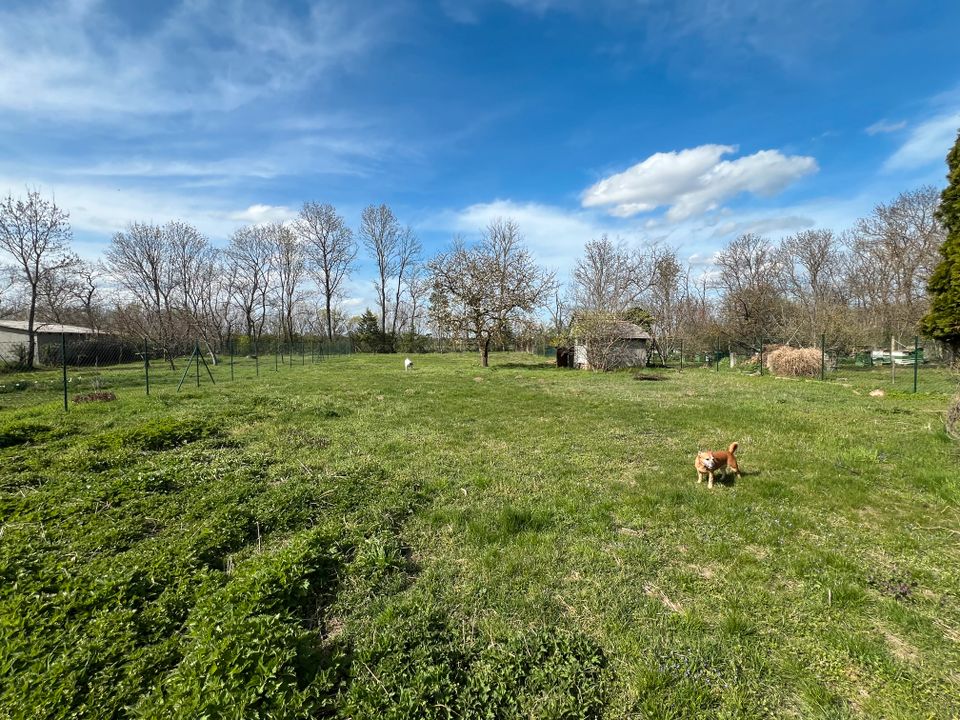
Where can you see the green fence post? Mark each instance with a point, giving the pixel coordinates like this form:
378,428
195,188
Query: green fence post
716,356
681,354
256,355
823,354
196,352
761,356
146,364
916,360
231,360
276,356
63,362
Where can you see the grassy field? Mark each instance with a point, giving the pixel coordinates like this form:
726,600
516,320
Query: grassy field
346,539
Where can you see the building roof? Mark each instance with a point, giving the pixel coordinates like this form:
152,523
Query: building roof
42,327
629,331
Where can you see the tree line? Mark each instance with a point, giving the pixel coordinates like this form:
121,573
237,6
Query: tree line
171,285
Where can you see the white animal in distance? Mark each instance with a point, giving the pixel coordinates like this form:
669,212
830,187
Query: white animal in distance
407,364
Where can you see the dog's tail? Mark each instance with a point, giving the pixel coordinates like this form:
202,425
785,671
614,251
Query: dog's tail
733,448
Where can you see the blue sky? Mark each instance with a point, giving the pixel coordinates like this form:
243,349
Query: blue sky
685,122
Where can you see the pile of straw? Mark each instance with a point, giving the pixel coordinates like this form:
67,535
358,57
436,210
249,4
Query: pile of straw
794,362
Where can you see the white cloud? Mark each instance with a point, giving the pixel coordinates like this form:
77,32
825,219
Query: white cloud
257,214
885,126
694,181
927,144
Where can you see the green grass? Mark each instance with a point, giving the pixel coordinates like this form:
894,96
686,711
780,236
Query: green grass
348,539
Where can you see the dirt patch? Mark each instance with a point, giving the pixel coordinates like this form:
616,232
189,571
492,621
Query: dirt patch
94,397
653,591
645,376
900,648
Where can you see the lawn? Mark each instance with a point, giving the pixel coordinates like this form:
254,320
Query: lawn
347,539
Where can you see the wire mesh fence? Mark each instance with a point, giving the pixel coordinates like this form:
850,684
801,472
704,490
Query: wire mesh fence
77,369
912,363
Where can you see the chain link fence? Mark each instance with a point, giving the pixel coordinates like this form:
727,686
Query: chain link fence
915,363
77,369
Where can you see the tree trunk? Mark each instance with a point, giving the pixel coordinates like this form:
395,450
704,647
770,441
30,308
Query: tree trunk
31,337
485,353
329,318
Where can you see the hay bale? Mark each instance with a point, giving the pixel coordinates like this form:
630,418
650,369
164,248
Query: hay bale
767,349
794,362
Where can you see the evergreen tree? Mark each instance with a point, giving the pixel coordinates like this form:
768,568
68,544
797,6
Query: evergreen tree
943,321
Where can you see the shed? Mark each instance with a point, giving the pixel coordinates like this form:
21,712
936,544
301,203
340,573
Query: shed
630,349
14,339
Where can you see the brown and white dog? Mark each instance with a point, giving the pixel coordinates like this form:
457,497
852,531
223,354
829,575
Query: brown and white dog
709,462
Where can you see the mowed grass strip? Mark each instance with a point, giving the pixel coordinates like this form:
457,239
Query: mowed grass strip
352,540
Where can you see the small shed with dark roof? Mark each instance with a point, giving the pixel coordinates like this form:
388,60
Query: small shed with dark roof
631,347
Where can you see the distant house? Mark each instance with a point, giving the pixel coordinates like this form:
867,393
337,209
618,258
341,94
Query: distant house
14,339
628,346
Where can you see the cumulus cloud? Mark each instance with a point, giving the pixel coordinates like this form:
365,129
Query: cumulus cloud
927,144
885,126
694,181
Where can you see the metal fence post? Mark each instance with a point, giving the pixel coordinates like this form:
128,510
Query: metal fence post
681,354
893,365
196,353
231,360
916,360
823,354
716,355
256,355
761,356
146,365
63,362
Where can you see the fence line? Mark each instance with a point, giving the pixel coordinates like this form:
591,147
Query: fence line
93,368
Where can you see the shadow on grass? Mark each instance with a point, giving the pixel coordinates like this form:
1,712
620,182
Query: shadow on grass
525,366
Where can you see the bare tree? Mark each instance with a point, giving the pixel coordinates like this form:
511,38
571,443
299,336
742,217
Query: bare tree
811,265
747,275
485,287
407,254
57,293
87,295
141,262
35,233
892,254
330,250
250,263
290,268
611,277
667,300
380,233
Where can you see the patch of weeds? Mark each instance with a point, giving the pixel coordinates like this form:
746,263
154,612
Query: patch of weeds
22,432
253,648
417,662
896,586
